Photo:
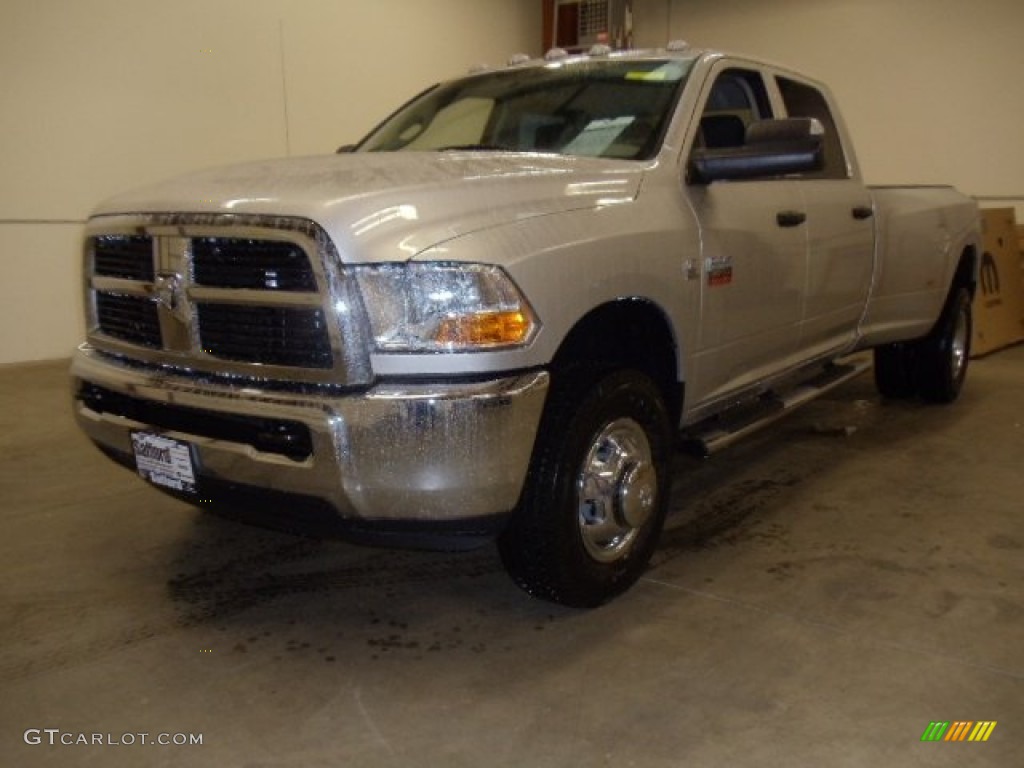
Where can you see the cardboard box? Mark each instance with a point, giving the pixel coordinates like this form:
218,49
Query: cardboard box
1020,248
999,302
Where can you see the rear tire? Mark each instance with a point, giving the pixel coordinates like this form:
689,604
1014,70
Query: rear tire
943,355
894,371
935,366
597,492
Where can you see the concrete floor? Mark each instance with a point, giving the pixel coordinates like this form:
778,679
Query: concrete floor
819,598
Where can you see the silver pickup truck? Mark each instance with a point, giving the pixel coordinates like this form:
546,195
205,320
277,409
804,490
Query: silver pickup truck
498,312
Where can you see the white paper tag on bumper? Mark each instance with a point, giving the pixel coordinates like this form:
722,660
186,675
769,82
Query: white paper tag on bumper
164,461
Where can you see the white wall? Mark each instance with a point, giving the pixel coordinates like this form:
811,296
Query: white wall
931,89
97,96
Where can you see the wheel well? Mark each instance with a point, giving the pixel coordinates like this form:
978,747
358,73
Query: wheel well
967,270
631,333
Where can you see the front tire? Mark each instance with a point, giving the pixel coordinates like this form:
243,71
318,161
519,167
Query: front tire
597,492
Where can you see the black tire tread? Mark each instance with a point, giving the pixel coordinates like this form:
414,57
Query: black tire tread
936,381
894,371
539,547
922,368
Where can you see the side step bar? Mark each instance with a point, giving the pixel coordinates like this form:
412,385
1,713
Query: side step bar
718,432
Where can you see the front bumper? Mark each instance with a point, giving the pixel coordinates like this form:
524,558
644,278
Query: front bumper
430,454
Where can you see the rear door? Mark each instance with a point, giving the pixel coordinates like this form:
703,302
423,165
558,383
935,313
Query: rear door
753,250
840,232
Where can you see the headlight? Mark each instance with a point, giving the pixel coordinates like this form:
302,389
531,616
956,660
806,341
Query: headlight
442,307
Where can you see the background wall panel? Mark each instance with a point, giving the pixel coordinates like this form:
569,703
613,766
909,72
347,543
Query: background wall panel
930,88
98,96
41,309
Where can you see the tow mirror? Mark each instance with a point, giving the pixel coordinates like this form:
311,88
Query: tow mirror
770,148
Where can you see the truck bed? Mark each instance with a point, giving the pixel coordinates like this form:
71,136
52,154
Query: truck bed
913,224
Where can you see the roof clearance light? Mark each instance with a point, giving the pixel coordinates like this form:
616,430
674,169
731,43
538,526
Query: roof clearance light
518,58
677,45
556,54
600,49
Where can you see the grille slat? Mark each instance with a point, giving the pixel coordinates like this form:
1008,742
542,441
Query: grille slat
130,318
126,256
231,262
268,335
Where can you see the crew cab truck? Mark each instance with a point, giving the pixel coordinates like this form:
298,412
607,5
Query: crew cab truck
498,312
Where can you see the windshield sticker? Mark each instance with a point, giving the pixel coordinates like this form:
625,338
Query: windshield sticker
657,74
598,135
671,71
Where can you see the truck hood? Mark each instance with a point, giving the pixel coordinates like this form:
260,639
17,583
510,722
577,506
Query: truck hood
393,206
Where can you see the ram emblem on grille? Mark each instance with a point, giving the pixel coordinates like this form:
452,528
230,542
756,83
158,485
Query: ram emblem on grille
169,293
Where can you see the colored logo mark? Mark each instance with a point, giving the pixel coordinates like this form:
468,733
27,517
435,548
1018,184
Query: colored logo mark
989,274
959,730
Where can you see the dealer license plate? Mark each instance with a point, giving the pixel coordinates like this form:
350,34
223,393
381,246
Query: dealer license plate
163,461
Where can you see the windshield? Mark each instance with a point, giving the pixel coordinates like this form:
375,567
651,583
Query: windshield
608,108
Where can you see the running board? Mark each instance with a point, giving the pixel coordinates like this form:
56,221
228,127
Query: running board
721,431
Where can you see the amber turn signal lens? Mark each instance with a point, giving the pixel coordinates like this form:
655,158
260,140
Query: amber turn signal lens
486,329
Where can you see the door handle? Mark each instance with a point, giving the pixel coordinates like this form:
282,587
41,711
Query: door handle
790,218
862,212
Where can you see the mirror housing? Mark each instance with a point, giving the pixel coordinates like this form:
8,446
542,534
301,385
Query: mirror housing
771,148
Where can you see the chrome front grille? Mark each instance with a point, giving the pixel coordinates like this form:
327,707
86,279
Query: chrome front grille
230,294
269,335
129,318
127,256
233,262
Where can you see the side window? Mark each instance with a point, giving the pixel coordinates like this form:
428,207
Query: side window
804,101
737,98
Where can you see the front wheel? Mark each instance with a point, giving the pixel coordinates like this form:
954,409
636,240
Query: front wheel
597,491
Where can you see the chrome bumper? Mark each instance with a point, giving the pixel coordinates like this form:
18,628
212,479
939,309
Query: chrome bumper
434,452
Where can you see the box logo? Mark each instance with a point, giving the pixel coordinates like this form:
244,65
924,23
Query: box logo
989,274
958,730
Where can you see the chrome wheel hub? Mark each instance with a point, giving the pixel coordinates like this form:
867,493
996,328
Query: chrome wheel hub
617,490
958,347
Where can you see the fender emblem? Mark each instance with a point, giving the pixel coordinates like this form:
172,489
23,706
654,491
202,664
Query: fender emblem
719,271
